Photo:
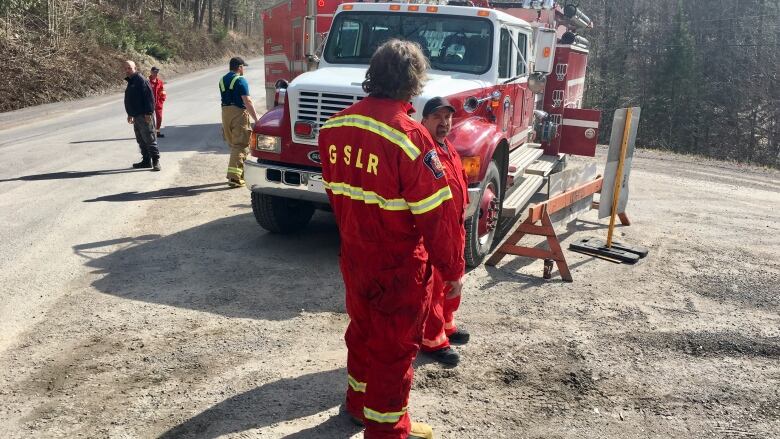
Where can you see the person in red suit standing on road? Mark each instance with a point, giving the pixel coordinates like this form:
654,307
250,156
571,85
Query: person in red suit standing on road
397,220
440,328
159,97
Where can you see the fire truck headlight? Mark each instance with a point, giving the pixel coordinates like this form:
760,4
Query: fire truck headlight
268,144
471,166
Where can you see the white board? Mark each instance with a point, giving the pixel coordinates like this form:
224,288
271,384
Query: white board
610,170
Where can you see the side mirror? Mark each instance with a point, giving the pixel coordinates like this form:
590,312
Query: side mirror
544,50
281,92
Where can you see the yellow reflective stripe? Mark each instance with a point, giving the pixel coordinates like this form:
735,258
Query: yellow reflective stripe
436,341
233,81
388,417
222,84
430,203
376,127
356,385
368,197
235,171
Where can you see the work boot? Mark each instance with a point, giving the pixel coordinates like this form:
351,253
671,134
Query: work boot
156,165
160,135
420,431
352,418
236,182
446,356
461,336
145,163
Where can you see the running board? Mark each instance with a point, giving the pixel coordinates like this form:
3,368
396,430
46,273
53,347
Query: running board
544,165
520,159
516,201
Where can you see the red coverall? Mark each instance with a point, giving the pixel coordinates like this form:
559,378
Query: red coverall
388,191
159,98
440,323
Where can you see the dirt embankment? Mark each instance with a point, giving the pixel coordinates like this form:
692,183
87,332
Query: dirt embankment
87,62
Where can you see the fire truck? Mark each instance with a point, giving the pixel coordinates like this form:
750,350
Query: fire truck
514,70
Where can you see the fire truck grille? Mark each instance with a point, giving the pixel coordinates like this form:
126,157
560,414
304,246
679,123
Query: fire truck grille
319,107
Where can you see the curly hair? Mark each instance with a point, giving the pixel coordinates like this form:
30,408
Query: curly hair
397,71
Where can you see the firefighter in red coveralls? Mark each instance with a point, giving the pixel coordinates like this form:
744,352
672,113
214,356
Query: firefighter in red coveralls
159,97
389,195
440,329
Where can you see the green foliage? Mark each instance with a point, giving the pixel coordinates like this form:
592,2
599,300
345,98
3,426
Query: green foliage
20,7
128,35
161,53
704,72
219,33
116,33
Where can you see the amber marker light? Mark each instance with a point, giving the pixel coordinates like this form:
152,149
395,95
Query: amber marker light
347,7
483,13
432,9
414,8
546,52
471,166
395,7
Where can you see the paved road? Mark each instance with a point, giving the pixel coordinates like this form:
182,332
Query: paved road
60,161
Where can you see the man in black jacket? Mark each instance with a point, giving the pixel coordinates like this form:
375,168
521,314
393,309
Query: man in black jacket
139,104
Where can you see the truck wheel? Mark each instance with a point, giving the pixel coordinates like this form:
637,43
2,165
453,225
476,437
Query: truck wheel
481,226
281,215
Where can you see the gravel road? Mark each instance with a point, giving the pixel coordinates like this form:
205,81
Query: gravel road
139,305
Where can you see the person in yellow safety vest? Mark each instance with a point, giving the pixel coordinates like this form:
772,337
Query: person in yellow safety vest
237,108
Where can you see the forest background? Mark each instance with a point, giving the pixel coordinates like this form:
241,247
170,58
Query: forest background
705,72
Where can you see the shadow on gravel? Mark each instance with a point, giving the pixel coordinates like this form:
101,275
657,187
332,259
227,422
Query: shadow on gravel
93,249
284,400
63,175
335,427
205,138
171,192
511,264
102,140
229,267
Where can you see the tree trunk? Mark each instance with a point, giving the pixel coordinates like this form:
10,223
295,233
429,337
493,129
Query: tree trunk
211,16
202,13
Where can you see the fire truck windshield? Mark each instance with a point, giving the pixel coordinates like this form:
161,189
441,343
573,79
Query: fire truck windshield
451,43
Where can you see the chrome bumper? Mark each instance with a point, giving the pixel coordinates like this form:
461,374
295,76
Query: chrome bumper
284,182
473,201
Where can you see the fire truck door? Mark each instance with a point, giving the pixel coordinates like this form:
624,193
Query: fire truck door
518,101
523,99
505,109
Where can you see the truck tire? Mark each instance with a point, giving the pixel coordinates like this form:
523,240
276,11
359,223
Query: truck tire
281,215
481,226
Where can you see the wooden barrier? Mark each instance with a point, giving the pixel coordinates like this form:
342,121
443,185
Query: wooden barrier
540,213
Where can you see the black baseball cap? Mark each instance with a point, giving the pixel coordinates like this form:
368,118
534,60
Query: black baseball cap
434,104
155,69
237,62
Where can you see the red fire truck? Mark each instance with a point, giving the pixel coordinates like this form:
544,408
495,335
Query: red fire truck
514,70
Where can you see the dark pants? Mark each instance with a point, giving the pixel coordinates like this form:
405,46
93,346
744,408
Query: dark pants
143,125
